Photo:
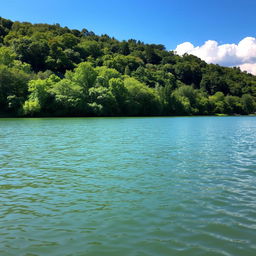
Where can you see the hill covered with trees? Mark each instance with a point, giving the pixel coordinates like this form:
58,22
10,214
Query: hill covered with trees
49,70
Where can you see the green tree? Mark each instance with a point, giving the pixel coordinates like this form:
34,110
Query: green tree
217,102
42,71
69,98
151,56
248,104
120,62
41,98
184,101
102,101
7,56
124,48
214,80
120,92
89,48
189,73
233,105
13,85
104,74
32,52
84,75
141,99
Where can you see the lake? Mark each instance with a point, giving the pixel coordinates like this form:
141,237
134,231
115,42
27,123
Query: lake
128,186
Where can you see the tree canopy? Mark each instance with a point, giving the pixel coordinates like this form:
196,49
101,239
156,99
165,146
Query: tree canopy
49,70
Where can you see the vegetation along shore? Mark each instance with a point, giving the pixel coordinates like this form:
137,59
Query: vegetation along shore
49,70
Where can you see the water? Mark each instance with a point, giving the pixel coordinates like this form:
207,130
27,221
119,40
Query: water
128,186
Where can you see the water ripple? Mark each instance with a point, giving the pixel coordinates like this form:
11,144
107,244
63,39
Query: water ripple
128,186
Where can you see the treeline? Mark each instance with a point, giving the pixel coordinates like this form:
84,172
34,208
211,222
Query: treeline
48,70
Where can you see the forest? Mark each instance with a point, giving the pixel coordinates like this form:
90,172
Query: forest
49,70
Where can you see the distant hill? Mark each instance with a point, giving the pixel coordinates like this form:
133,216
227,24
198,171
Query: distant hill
49,70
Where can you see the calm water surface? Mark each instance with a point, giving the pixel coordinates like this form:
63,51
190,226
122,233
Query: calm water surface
128,186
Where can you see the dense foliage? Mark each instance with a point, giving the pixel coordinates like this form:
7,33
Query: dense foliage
48,70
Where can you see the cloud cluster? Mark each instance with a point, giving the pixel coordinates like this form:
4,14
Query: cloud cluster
242,54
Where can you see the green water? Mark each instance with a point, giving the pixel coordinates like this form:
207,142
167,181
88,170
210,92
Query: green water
128,186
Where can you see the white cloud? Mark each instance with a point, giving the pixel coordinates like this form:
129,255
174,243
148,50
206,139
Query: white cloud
249,67
184,48
242,54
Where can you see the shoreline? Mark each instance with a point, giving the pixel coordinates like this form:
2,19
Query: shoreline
153,116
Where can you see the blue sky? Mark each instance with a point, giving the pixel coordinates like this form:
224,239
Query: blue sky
217,31
169,22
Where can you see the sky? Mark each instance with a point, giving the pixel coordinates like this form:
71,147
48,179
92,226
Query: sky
204,26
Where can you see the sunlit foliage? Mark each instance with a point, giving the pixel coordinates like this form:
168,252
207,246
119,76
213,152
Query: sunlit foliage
48,70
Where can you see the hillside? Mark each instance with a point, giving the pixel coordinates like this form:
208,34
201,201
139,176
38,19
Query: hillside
49,70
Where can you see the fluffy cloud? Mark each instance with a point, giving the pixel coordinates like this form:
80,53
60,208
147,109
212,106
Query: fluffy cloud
249,67
242,54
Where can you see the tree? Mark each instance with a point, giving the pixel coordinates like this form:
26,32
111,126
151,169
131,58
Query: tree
120,62
32,52
89,48
214,80
84,75
189,73
248,104
69,98
141,99
233,105
185,101
53,70
217,102
104,74
124,48
102,101
7,56
151,56
120,92
13,85
68,40
41,98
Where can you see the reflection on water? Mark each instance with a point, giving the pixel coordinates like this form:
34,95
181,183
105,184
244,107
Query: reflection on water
128,186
